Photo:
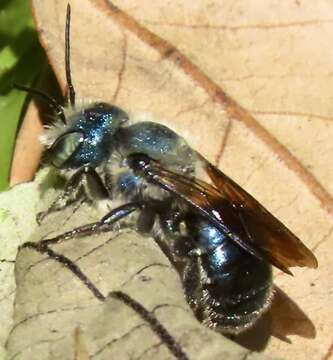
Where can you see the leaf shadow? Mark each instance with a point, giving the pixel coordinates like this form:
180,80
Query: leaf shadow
284,318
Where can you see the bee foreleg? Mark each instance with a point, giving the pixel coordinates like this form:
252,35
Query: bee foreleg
71,193
94,187
85,182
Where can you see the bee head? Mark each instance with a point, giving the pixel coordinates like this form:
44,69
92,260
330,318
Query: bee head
88,139
85,136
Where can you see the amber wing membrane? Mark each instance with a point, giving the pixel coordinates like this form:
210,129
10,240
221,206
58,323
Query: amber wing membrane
238,214
206,200
280,245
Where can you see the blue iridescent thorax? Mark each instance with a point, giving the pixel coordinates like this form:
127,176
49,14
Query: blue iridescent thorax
156,141
96,125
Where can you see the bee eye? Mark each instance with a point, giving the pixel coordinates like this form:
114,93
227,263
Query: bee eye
64,148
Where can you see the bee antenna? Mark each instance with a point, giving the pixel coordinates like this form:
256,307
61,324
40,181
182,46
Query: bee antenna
50,100
67,57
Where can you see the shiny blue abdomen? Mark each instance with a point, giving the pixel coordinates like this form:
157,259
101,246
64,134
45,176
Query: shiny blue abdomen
239,281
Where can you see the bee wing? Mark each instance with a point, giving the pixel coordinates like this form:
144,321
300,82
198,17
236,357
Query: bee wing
207,201
239,215
280,246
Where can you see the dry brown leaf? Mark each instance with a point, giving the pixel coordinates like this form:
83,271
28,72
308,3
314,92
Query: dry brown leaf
28,149
274,59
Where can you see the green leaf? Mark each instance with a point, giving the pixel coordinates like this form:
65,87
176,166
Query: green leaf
21,59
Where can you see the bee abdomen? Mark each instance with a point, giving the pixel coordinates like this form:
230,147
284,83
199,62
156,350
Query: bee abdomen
236,287
239,291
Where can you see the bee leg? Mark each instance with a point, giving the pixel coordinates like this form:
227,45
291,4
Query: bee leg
192,284
179,249
175,245
71,192
85,181
104,225
171,221
183,253
146,220
94,187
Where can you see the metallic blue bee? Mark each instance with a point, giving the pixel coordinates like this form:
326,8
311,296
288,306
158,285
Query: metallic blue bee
219,238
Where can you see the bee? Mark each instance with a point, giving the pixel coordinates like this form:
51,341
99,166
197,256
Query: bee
220,239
